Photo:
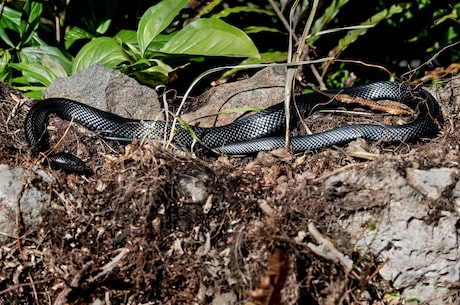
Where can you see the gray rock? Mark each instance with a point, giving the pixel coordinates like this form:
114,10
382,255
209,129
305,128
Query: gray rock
432,182
108,90
456,193
262,90
16,191
423,257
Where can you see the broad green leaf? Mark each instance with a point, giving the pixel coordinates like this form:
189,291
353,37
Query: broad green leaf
212,37
74,34
158,43
155,20
153,76
34,92
149,71
36,54
128,40
54,67
35,72
77,33
104,26
103,50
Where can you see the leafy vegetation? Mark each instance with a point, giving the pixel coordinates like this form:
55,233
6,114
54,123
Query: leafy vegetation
43,40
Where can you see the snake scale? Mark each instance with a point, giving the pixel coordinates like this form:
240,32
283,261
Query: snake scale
258,132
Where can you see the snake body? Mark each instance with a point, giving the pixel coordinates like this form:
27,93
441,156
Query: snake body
258,132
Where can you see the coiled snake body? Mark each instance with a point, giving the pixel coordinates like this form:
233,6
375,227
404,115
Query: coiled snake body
249,135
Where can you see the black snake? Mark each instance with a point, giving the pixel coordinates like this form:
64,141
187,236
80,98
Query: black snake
258,132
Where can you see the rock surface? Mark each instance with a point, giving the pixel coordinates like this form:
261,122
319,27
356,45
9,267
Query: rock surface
423,255
18,194
262,90
433,182
108,90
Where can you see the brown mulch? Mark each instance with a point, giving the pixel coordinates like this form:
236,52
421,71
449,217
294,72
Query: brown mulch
134,232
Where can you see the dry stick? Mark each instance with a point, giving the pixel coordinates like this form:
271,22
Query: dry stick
2,7
286,24
432,58
34,290
11,288
110,266
62,298
57,25
290,77
364,64
61,139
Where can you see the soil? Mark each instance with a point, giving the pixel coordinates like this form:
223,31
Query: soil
154,225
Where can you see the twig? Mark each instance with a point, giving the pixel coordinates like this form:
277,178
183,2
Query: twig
34,290
339,170
63,296
290,77
115,262
432,58
2,7
364,64
327,250
281,17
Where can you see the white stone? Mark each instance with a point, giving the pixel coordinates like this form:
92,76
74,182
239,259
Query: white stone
432,182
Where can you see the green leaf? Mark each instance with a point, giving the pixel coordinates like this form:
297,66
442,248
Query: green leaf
148,71
155,20
5,58
158,43
212,37
103,50
36,54
329,14
241,9
34,92
453,15
75,34
207,8
35,72
54,67
128,40
104,26
385,14
30,20
10,19
257,29
412,299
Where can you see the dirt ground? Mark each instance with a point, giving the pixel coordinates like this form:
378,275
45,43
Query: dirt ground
159,226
